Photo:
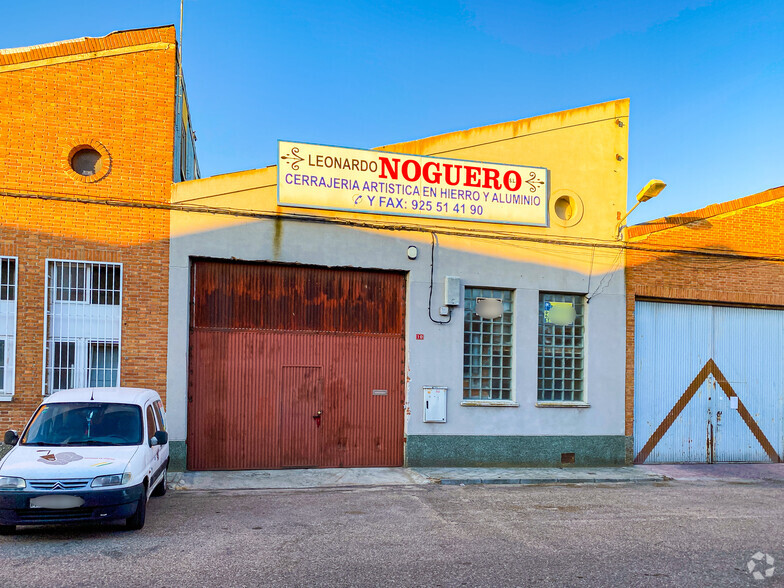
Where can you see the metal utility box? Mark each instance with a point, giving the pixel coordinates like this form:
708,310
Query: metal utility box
451,291
435,404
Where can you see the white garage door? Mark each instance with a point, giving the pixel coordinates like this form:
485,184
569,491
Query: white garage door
707,383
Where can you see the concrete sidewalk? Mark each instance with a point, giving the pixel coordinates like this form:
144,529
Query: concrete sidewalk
347,477
572,475
724,472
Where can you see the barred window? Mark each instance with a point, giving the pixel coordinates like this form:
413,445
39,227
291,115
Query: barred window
561,344
104,359
7,278
83,325
8,287
2,365
487,348
63,361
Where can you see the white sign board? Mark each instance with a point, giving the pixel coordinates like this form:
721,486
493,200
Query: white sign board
378,182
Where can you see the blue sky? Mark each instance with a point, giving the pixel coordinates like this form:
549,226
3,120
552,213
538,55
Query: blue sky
706,79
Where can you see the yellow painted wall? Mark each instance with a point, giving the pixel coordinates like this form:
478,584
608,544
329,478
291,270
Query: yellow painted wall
584,149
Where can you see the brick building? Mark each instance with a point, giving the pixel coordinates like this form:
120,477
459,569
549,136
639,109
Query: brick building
92,135
705,338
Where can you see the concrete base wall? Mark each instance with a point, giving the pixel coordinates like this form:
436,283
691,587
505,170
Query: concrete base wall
177,456
629,450
484,451
510,451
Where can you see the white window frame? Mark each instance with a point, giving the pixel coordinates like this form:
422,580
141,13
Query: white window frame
82,343
8,329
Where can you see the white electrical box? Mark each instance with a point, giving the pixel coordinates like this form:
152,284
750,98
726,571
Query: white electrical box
435,404
451,291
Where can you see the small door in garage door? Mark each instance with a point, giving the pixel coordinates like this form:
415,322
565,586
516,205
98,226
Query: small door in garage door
707,383
300,421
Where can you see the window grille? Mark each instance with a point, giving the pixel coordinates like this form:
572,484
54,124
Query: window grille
2,364
8,291
83,325
561,361
103,364
487,348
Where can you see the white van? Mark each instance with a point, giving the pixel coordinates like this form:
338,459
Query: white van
89,454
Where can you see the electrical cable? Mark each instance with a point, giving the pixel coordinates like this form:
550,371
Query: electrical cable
377,225
433,241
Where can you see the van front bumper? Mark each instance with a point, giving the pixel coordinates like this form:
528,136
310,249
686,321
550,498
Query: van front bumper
99,505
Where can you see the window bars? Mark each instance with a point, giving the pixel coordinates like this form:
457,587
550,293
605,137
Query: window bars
83,319
8,288
561,346
487,348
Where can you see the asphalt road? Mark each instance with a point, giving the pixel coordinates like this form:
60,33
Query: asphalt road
668,534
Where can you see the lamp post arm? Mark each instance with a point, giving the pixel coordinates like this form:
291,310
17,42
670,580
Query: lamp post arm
623,218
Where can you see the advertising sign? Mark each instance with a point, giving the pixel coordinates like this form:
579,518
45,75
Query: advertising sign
378,182
559,313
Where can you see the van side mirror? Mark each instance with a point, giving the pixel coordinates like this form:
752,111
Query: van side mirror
11,438
160,438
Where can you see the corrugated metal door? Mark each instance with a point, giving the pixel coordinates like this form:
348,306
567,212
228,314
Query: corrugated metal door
747,347
707,383
272,347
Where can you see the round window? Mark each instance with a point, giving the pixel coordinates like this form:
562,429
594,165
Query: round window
86,162
566,208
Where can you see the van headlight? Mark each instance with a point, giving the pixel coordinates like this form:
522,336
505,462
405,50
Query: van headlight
9,483
113,480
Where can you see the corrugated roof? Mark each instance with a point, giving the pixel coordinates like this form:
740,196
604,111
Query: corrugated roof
129,38
677,220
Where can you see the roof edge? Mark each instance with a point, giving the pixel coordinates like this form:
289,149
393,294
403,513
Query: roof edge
81,45
512,129
684,218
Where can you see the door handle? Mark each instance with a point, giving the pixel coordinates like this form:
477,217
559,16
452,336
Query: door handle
317,415
317,418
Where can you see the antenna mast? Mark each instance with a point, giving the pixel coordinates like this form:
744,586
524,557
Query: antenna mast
180,43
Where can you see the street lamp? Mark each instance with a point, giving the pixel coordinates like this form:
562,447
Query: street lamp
651,190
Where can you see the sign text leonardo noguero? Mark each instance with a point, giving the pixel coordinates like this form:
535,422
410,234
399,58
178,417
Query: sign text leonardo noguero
378,182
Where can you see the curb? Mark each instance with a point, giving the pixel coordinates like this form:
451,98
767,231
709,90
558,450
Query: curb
475,481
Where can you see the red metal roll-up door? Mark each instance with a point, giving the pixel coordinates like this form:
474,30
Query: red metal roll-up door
294,366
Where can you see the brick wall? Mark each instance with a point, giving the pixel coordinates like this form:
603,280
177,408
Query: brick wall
682,277
122,100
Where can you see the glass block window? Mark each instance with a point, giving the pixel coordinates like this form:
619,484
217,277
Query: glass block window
8,287
561,347
487,348
82,325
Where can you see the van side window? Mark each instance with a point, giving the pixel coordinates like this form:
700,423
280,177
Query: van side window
158,406
151,425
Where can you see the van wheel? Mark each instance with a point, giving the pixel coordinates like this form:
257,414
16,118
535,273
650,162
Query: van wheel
7,529
136,521
160,489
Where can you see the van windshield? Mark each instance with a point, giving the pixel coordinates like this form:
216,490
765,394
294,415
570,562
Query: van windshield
85,423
